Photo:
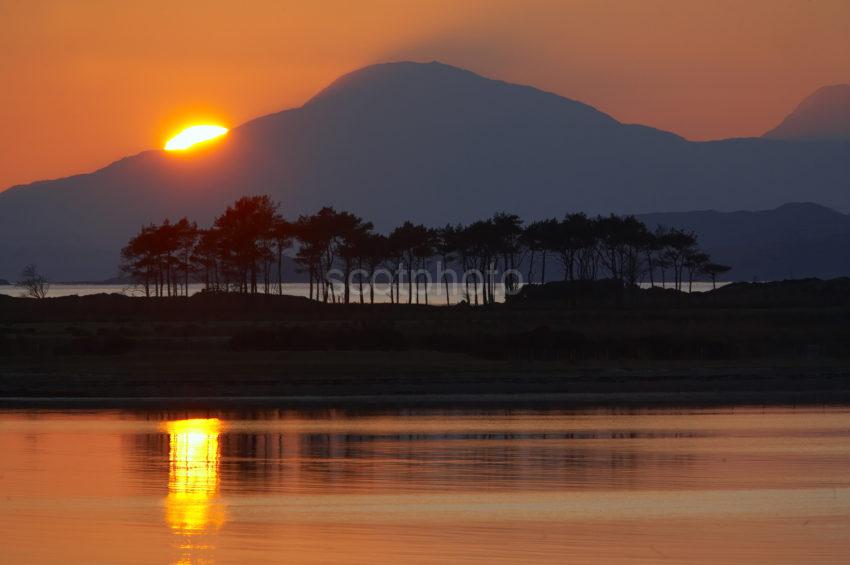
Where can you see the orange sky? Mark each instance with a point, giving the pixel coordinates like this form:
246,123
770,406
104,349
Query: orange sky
88,82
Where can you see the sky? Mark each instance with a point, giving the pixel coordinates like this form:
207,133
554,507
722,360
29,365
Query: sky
86,83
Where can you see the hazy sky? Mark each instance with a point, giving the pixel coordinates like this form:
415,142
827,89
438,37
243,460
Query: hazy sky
85,82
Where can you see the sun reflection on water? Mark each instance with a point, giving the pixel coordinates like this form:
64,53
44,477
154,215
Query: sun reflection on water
192,508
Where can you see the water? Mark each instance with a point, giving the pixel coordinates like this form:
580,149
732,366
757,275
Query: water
436,292
723,486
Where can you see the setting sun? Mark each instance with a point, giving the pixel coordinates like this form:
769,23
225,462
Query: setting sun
194,135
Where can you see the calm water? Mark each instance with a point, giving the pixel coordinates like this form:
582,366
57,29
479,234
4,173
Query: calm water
721,486
436,292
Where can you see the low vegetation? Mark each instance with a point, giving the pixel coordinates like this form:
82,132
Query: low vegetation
745,342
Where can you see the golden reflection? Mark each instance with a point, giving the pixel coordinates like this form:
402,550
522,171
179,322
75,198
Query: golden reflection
191,508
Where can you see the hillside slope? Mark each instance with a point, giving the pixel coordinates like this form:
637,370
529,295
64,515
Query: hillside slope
426,142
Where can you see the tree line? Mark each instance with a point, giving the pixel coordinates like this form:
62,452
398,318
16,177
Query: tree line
244,249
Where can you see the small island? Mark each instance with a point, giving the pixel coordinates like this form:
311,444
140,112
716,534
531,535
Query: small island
558,343
622,326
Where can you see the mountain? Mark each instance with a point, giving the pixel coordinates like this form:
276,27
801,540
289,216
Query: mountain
825,115
426,142
791,241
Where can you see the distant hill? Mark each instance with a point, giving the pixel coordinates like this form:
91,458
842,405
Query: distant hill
823,116
791,241
426,142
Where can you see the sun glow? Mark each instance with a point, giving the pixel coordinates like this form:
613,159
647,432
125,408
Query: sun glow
194,135
193,481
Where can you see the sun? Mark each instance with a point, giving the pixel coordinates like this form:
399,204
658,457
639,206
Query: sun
194,135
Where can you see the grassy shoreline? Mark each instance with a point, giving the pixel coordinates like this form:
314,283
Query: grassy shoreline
658,348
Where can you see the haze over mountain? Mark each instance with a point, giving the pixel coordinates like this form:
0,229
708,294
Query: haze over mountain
426,142
823,116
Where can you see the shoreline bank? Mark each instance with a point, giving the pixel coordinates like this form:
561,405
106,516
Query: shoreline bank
483,401
409,379
789,347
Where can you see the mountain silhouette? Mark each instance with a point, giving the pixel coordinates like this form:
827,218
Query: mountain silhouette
825,115
792,241
420,141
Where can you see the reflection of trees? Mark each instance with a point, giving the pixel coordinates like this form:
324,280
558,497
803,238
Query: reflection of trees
297,460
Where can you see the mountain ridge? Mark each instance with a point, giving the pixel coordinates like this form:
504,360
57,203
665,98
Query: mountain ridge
823,115
425,142
797,239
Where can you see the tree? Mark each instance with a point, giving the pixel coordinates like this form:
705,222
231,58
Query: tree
34,283
282,232
185,235
540,237
575,239
205,258
677,247
446,244
375,250
651,251
244,244
713,270
695,263
394,256
312,242
246,239
139,259
350,235
409,239
633,240
508,229
483,247
423,253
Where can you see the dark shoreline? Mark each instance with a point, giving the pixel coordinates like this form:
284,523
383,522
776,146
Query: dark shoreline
776,344
578,401
410,379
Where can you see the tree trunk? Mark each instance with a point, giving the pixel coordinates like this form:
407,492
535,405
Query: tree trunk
543,268
360,279
345,283
426,290
279,270
410,282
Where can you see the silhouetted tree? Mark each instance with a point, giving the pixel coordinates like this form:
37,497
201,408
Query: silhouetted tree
695,263
508,228
249,239
348,236
139,259
282,232
423,253
205,258
446,244
540,236
713,270
246,236
374,254
34,283
185,237
407,240
677,247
